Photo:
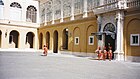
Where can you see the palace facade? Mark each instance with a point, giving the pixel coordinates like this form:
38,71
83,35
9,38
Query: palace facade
73,26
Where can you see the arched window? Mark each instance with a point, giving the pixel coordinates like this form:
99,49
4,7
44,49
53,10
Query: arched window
15,10
109,27
78,7
67,8
57,9
1,9
1,2
31,14
15,4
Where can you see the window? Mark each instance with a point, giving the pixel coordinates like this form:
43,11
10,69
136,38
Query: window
90,5
49,11
134,40
31,14
91,40
66,8
76,40
1,2
15,10
1,9
57,9
78,7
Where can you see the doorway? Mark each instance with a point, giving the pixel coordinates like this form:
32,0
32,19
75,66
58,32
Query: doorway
30,39
14,37
110,42
65,39
55,42
110,36
48,40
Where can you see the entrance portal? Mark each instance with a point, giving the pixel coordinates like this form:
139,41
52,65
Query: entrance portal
13,38
55,42
65,39
110,37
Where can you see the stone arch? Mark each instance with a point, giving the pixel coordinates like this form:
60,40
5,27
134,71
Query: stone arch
90,38
30,39
14,39
15,4
55,41
110,36
1,2
48,39
132,28
109,27
40,40
76,39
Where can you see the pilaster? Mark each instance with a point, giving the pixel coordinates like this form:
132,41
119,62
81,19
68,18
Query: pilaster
72,10
85,9
119,53
61,20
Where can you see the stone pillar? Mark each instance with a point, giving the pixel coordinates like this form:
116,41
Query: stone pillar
85,9
6,9
53,12
119,53
38,13
24,11
100,41
45,23
36,40
61,20
72,9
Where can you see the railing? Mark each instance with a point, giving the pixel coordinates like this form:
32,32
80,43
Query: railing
116,5
133,3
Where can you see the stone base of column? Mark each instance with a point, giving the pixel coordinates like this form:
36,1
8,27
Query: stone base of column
119,56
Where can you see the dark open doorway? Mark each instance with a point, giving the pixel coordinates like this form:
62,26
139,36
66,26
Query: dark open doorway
109,41
65,39
55,42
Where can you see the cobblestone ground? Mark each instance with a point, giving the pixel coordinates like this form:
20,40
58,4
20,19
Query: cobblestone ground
31,65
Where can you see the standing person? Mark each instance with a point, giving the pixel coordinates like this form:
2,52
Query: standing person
104,54
98,52
45,50
110,53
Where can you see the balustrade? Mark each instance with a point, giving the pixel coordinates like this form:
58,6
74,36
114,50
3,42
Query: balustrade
112,5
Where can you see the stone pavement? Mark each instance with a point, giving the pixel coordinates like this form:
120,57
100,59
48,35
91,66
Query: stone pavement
31,65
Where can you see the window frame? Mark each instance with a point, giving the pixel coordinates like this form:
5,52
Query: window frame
75,41
89,43
132,41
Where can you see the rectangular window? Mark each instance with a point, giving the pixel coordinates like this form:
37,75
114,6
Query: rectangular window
76,40
91,40
134,40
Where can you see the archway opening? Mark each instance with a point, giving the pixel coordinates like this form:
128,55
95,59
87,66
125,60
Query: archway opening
0,38
55,42
30,39
13,38
40,40
65,39
48,40
110,37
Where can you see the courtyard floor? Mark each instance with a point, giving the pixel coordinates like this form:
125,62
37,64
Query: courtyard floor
31,65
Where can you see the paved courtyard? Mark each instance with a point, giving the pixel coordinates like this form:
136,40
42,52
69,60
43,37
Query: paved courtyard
31,65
